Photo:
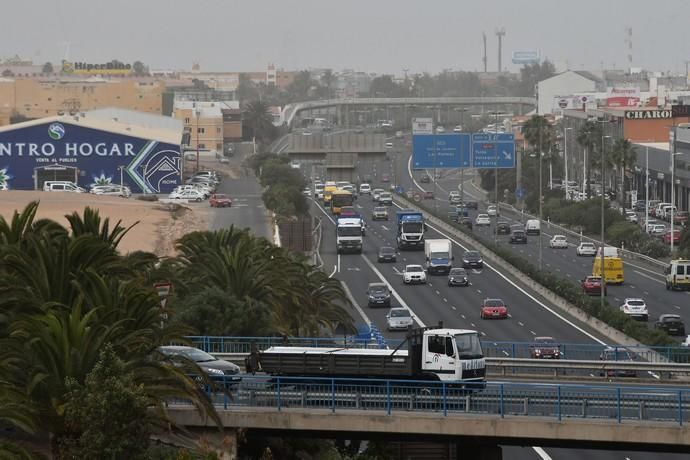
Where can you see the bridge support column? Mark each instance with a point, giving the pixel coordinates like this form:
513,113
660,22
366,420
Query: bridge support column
479,452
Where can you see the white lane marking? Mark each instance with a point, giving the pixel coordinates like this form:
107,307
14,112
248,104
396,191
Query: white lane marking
445,300
676,307
534,299
385,228
335,269
338,263
463,316
521,323
654,375
505,353
397,272
395,293
532,332
437,293
348,293
649,277
473,325
453,307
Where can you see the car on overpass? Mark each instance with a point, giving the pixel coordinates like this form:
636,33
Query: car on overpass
620,355
218,370
493,309
545,348
586,249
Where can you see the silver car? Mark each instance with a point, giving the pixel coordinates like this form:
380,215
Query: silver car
399,319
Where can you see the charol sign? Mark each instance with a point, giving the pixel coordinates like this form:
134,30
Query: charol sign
647,114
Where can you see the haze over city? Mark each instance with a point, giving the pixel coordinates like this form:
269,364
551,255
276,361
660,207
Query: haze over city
383,36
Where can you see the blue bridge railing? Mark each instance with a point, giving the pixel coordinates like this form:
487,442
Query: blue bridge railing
561,402
373,338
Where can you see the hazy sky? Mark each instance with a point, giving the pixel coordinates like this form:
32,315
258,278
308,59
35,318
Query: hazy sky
370,35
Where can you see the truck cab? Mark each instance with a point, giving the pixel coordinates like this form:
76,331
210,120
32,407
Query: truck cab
349,233
439,256
678,275
411,228
449,354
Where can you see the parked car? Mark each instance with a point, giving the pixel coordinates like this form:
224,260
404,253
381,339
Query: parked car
220,200
218,370
385,178
472,259
457,129
387,254
680,218
414,274
378,295
112,190
672,324
493,309
631,216
191,195
399,319
545,348
619,355
558,242
62,186
379,213
458,277
658,230
482,219
518,236
586,249
591,285
636,309
503,228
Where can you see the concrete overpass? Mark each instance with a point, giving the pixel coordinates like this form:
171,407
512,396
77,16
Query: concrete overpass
345,106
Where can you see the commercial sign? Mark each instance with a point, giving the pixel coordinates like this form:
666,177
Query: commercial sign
62,151
440,151
422,126
647,114
526,57
491,150
623,97
571,102
86,68
680,111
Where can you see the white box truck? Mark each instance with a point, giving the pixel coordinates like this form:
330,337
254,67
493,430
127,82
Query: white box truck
439,256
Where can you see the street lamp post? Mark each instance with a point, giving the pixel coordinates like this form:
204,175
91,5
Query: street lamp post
565,157
539,197
603,241
496,113
197,112
646,189
462,167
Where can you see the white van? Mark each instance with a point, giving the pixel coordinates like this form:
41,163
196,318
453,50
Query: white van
678,275
62,186
659,208
609,251
533,227
666,212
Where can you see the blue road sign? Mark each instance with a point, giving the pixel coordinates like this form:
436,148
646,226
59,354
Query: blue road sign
519,193
441,151
493,150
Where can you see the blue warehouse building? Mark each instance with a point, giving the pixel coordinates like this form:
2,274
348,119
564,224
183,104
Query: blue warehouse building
107,146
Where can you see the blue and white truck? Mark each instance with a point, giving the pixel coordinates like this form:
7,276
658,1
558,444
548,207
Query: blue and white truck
348,234
439,256
411,229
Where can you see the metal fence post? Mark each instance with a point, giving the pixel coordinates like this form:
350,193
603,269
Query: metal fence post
388,397
225,393
680,407
278,382
333,395
501,403
513,350
618,404
445,401
558,402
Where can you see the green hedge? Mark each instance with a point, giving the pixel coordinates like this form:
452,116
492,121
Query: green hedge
570,291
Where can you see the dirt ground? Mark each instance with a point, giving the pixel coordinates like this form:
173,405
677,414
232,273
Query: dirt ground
158,228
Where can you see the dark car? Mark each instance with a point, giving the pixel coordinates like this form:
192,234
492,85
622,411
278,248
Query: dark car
472,259
455,213
672,324
545,348
472,204
620,355
425,179
503,228
467,222
518,236
428,195
378,295
387,254
218,370
458,277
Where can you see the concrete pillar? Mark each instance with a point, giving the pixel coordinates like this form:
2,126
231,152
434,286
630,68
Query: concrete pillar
478,452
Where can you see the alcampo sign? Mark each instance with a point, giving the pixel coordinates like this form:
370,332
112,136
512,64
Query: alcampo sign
647,114
108,68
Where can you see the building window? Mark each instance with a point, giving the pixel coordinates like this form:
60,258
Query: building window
186,121
219,147
202,146
50,99
201,130
217,130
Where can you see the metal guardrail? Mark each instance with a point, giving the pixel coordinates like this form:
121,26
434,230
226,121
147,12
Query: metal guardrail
492,349
561,402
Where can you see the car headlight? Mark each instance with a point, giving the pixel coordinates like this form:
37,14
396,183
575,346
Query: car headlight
214,371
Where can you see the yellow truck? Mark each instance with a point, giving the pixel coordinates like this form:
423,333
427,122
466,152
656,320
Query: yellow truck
613,269
328,190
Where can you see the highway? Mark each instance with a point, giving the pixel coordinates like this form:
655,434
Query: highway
457,307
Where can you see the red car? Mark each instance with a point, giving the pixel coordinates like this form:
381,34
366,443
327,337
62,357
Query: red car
493,308
218,200
592,285
545,348
385,178
667,237
428,195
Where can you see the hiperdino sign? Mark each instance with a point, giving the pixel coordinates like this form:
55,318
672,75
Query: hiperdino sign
86,68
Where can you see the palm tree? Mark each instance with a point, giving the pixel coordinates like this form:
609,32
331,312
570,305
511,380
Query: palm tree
257,116
328,79
589,137
622,158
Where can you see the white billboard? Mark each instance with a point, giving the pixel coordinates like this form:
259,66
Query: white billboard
422,126
572,102
526,57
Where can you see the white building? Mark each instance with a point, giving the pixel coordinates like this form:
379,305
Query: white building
564,85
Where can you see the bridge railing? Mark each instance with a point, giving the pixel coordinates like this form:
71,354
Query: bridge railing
618,404
492,349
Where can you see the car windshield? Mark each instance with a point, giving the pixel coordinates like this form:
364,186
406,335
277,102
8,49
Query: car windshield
471,255
458,272
400,313
438,255
617,355
482,216
221,197
493,303
378,289
559,238
544,341
193,354
380,209
414,269
587,245
593,280
636,303
385,195
671,319
469,346
413,227
349,231
386,251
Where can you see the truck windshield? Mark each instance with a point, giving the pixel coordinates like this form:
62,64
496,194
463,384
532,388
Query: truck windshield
469,346
413,227
438,255
349,231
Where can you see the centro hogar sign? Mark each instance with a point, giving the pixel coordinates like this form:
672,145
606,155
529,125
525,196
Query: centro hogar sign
95,157
108,68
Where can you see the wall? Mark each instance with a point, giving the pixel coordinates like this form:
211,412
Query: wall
650,130
207,131
564,84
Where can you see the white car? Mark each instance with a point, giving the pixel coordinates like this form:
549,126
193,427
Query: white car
457,129
306,191
399,319
482,219
376,194
440,129
191,195
492,211
631,216
636,309
586,249
686,342
558,242
414,274
657,229
112,190
389,145
365,189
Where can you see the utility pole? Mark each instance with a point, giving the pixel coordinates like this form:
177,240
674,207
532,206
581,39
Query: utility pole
484,58
500,33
